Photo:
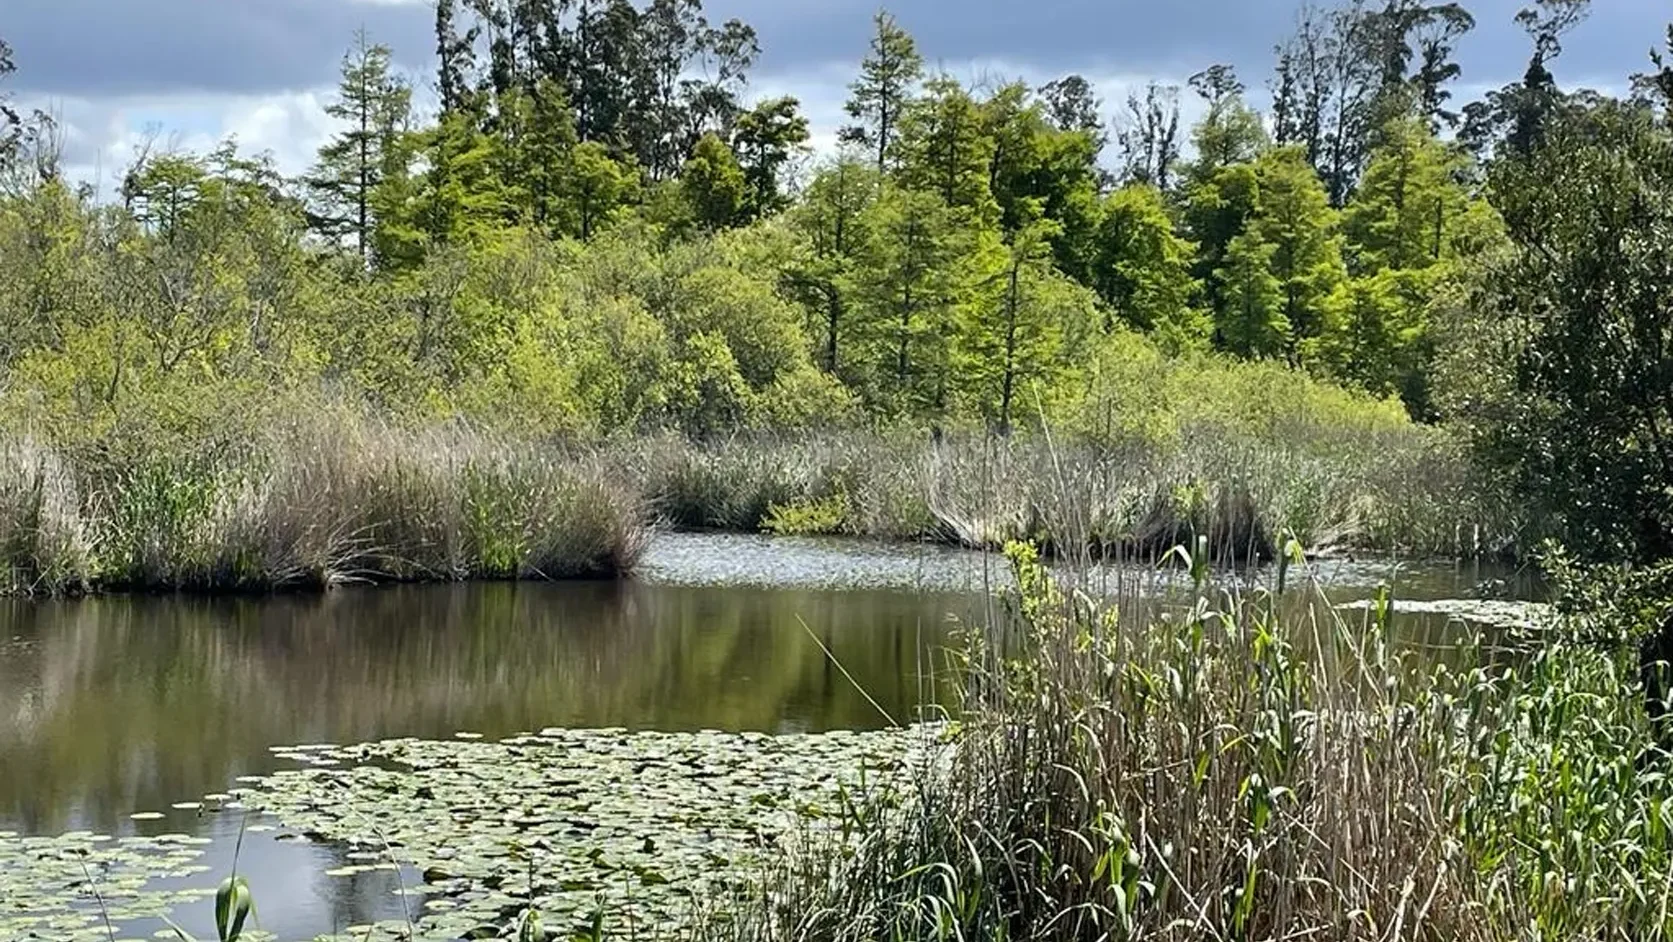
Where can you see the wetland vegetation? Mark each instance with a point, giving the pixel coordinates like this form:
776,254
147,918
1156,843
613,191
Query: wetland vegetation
595,294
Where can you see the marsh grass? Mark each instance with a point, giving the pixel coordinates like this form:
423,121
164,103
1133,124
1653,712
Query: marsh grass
1402,491
315,505
1220,774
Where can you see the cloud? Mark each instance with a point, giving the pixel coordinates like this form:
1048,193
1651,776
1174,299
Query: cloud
261,70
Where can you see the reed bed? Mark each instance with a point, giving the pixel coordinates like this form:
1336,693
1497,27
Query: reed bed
1402,492
313,506
1219,774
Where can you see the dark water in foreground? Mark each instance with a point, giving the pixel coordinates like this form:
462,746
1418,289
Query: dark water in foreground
121,705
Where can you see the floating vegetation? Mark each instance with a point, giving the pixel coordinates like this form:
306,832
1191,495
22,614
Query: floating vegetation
64,888
631,832
1506,615
641,830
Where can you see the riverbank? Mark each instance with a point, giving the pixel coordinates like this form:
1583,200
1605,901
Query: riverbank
342,498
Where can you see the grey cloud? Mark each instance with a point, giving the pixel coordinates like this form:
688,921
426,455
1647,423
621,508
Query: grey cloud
87,48
135,48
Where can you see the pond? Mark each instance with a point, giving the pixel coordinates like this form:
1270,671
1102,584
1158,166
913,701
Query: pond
115,706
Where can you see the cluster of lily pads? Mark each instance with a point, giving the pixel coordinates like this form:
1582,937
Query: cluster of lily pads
596,830
77,887
602,833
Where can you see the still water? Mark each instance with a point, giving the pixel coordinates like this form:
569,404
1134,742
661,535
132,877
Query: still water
118,705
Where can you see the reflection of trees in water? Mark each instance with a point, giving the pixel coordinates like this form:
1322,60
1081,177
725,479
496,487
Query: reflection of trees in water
115,705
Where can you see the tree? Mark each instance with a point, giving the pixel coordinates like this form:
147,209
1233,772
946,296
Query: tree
1150,137
537,140
1143,271
1410,197
1295,219
1516,114
1570,399
10,122
910,280
888,78
713,184
1656,87
944,148
375,106
766,139
1217,210
834,219
456,53
1073,106
595,185
1230,132
1326,91
1038,172
1016,331
1250,320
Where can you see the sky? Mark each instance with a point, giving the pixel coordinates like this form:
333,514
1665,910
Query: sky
189,73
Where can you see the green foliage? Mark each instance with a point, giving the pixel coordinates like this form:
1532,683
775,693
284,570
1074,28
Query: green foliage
878,98
714,184
1569,396
1143,270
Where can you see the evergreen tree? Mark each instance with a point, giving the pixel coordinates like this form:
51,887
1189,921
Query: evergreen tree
1410,197
888,78
1143,271
911,283
713,184
834,218
375,106
596,185
1217,210
766,139
1016,331
537,142
1250,320
944,148
1295,219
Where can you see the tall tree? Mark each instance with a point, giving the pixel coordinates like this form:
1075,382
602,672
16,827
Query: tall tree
1296,220
1072,105
1326,93
1656,86
1516,114
595,185
713,184
888,78
1149,138
1403,213
766,139
375,106
944,147
10,122
1143,270
456,53
1017,329
834,219
912,282
1230,132
1217,210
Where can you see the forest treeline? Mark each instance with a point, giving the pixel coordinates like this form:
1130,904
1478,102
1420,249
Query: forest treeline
599,230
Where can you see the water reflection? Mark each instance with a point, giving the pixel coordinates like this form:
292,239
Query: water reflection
115,705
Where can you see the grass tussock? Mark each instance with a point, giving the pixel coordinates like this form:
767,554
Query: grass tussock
1217,774
313,505
1398,490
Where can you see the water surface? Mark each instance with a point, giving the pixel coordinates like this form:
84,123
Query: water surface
118,705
